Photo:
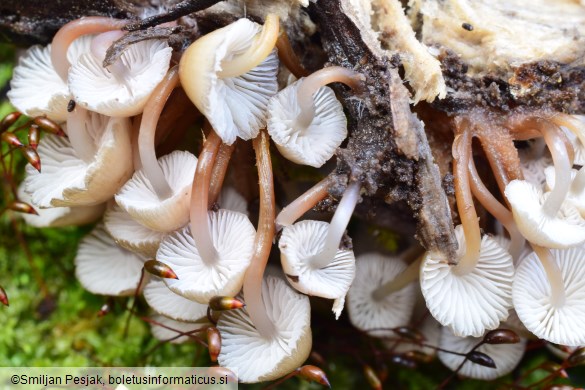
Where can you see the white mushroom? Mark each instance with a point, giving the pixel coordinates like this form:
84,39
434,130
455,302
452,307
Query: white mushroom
104,268
576,194
175,332
164,301
230,74
378,315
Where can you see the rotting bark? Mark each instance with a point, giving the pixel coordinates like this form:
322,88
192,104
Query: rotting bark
387,150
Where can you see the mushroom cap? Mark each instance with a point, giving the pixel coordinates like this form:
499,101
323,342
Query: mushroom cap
531,293
165,302
66,180
475,302
102,90
564,230
234,106
308,145
256,358
139,199
102,267
505,356
430,329
301,241
576,199
60,216
36,88
130,234
533,167
170,330
230,199
365,313
233,237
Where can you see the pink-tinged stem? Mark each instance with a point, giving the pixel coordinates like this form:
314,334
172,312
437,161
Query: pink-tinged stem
337,226
73,30
219,171
562,164
553,274
461,155
200,229
498,210
81,141
263,241
146,134
311,84
302,204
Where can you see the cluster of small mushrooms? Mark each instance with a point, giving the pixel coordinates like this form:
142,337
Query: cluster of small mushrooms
169,213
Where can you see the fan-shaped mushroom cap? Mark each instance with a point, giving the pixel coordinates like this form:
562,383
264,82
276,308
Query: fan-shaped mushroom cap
230,199
234,106
564,230
365,312
130,234
475,302
36,88
139,199
143,65
103,267
298,244
66,180
574,197
60,216
256,358
199,280
167,329
308,145
531,293
505,356
165,302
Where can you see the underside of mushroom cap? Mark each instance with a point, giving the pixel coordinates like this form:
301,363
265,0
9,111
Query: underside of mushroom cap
256,358
471,303
298,244
575,198
60,216
130,234
532,298
564,230
102,267
66,180
139,199
234,106
233,238
102,90
309,145
430,329
162,300
167,329
230,199
505,356
395,309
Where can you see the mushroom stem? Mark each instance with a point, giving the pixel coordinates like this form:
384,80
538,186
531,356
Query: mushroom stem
461,155
219,170
288,56
146,134
256,53
302,204
401,280
81,141
572,124
578,183
498,210
337,226
135,151
553,274
311,84
200,229
73,30
562,164
263,240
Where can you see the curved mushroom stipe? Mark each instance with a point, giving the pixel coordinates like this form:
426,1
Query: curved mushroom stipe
288,56
256,53
337,226
263,241
77,131
308,86
302,204
74,29
220,169
146,133
558,293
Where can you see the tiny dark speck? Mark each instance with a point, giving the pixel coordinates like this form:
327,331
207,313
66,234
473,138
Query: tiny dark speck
467,26
71,105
